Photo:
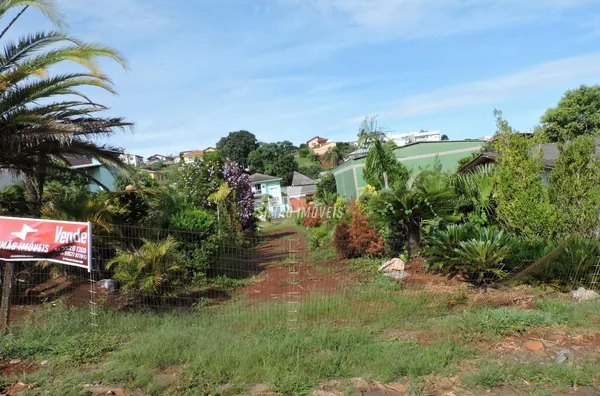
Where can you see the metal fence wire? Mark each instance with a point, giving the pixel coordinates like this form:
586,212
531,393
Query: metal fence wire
275,276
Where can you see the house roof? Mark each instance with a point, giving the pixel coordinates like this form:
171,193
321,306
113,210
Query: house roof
317,137
259,177
195,152
81,161
550,153
301,180
301,191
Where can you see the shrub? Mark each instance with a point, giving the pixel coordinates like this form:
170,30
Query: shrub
192,219
318,237
440,251
341,240
299,218
359,238
481,254
574,266
155,269
483,259
312,218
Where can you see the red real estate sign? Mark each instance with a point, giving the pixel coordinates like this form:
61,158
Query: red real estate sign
62,242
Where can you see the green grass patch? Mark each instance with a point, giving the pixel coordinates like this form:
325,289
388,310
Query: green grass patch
323,254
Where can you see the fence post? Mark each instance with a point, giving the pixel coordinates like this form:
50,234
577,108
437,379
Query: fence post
6,295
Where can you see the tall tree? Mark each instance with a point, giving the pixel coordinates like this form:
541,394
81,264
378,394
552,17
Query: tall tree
44,116
237,146
445,137
577,113
523,203
574,187
382,169
274,159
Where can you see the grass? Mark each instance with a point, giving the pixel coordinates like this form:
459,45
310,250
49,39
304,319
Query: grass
290,282
226,349
323,254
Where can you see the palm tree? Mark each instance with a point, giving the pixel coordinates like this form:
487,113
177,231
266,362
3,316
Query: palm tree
425,199
334,156
46,118
155,269
475,195
369,132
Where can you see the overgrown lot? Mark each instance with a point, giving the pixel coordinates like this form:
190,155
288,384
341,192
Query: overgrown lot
425,341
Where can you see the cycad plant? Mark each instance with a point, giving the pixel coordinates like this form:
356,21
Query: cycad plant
483,258
474,192
157,268
44,115
441,246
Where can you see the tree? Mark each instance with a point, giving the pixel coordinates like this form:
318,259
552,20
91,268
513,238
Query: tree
369,131
198,180
382,169
574,187
445,137
404,211
334,156
45,116
577,113
326,185
274,159
237,146
523,203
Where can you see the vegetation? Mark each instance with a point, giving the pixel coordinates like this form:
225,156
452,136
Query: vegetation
47,116
275,159
577,114
237,146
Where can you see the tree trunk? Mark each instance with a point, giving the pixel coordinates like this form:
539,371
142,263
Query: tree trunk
414,241
34,201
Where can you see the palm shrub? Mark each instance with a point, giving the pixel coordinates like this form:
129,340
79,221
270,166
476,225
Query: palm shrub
474,195
441,246
154,269
483,259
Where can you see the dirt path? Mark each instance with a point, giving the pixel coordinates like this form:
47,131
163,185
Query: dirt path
286,269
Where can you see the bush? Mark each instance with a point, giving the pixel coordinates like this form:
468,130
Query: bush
192,219
359,238
481,254
312,219
300,218
573,267
319,237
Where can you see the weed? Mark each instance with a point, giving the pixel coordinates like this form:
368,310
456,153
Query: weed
290,282
323,254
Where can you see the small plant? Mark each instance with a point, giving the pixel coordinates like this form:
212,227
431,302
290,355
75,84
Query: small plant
290,282
156,268
359,238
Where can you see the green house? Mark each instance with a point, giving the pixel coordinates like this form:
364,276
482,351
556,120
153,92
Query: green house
349,176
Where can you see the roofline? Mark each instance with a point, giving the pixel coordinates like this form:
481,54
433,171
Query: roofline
264,181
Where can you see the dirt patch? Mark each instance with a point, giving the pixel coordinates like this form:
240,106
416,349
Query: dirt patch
16,368
287,271
553,342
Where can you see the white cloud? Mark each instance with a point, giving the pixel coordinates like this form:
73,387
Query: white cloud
532,81
410,19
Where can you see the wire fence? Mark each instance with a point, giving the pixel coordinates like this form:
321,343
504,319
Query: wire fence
275,276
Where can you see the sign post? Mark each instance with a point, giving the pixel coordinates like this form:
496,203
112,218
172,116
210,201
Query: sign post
6,295
61,242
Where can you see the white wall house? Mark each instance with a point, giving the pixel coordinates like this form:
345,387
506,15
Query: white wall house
132,159
402,139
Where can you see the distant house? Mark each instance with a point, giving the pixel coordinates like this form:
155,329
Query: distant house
155,175
132,159
156,158
190,156
320,145
550,154
302,187
402,139
269,186
95,169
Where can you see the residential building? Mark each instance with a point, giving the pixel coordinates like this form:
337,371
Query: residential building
349,175
269,186
320,145
96,170
155,175
132,159
402,139
156,158
190,156
550,153
302,187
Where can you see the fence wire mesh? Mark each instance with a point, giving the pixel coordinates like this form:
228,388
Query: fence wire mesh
275,277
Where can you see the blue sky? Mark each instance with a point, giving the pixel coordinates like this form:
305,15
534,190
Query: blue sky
293,69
